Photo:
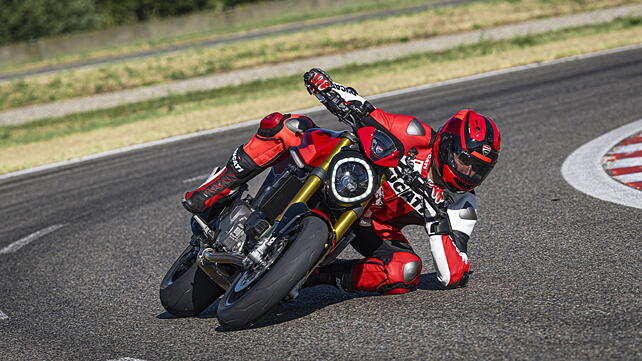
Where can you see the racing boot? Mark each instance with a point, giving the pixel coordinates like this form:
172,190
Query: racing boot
337,274
222,183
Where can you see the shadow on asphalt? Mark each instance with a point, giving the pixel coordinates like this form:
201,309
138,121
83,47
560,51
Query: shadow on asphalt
309,301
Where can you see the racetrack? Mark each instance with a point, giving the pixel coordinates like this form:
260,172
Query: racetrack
556,271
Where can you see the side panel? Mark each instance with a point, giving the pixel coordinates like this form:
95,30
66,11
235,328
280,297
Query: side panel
279,198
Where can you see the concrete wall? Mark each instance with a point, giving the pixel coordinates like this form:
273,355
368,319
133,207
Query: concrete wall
154,30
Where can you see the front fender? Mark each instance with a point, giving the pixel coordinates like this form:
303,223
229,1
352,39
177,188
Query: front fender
293,216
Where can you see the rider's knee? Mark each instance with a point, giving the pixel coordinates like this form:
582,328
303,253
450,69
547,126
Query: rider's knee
277,132
277,126
403,270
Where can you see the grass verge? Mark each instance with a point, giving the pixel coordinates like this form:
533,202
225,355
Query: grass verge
240,25
304,44
30,144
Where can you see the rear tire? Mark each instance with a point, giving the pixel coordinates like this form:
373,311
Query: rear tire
186,290
295,262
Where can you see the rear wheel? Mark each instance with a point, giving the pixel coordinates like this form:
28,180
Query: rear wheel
186,290
240,308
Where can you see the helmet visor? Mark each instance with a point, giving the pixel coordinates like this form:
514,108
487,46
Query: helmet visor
470,168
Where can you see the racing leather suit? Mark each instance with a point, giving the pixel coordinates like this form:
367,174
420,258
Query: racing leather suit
390,265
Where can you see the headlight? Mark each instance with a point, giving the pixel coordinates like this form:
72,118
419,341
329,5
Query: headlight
352,179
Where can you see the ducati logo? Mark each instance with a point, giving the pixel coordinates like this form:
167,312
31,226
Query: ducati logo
235,162
485,149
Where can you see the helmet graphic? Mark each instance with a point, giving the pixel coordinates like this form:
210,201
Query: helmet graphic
466,150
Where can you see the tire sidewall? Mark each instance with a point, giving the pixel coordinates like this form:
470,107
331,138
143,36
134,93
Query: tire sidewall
191,292
293,264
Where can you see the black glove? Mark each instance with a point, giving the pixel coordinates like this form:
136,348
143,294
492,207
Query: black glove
343,102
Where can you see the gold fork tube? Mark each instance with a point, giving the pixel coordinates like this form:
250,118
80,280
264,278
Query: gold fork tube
346,220
348,217
313,183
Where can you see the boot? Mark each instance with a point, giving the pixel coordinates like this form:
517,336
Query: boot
239,169
337,274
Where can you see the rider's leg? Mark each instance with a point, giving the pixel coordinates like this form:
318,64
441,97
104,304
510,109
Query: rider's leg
390,266
277,132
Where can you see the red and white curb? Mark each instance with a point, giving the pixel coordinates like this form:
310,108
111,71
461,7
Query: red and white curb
624,161
610,166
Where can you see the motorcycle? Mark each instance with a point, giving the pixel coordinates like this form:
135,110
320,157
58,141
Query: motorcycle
261,249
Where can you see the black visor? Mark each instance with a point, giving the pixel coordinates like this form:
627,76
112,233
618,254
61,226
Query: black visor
470,168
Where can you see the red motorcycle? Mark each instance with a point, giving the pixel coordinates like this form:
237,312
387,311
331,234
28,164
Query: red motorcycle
261,249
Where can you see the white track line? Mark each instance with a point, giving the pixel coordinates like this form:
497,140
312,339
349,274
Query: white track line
127,359
3,316
318,108
583,169
193,179
13,247
623,163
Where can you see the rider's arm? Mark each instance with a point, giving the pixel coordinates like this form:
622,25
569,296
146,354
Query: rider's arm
449,241
343,102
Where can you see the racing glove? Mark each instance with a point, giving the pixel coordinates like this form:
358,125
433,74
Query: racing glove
344,102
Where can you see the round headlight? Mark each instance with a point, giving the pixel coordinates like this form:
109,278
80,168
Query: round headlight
352,180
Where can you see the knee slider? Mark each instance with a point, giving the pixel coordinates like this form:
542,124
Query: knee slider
404,267
299,123
271,125
403,273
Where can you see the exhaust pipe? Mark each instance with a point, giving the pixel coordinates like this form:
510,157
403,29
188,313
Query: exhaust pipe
219,257
207,260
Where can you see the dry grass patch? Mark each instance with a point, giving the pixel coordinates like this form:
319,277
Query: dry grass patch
386,77
198,62
218,30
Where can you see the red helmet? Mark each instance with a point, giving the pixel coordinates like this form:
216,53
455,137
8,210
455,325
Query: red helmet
465,150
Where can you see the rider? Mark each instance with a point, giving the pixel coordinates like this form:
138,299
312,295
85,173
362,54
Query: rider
452,161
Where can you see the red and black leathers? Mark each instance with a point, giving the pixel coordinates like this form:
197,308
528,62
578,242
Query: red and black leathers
277,132
397,205
390,266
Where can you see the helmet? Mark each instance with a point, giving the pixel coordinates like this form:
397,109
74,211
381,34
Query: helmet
465,150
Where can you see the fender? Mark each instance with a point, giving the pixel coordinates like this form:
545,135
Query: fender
292,217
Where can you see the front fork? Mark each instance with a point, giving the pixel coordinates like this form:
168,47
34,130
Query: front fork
315,181
305,193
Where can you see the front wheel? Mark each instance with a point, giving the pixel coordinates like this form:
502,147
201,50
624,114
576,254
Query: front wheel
186,290
239,310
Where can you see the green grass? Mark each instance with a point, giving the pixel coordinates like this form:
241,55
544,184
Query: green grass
47,129
285,18
281,48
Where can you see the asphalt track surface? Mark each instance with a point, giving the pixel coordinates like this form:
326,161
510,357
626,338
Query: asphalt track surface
556,271
287,29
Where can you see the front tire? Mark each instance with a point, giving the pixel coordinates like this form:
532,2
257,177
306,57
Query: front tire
186,290
237,312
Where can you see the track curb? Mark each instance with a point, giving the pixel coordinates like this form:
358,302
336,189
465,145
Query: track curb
584,169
